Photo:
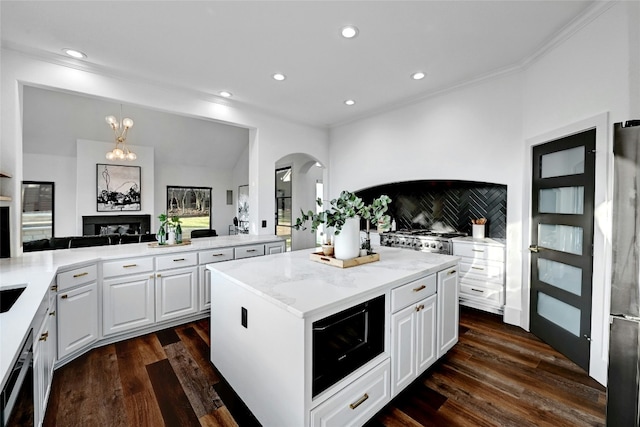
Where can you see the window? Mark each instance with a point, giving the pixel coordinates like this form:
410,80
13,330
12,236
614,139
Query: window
37,210
192,205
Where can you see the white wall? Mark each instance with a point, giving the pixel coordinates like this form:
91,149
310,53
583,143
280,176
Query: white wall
270,137
589,80
473,133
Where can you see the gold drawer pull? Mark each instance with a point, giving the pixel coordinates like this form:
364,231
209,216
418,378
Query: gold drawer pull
217,254
53,313
178,260
65,296
477,290
477,250
54,288
451,272
477,268
75,276
251,250
419,288
159,275
129,265
44,336
359,402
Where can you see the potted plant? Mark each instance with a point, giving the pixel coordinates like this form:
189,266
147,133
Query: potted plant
343,215
162,232
177,225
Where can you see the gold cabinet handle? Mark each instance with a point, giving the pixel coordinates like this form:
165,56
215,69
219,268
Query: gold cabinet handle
420,307
65,296
178,259
419,288
477,290
129,265
54,288
451,272
251,250
217,254
359,402
44,336
75,276
53,313
477,250
477,268
159,275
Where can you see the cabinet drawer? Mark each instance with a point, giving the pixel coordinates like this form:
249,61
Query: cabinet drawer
127,266
480,292
412,292
215,255
248,251
357,402
478,251
77,276
483,270
177,260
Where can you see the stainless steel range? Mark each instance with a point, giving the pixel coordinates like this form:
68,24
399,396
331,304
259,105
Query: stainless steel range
420,240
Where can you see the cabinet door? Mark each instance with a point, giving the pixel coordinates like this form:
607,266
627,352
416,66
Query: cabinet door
403,333
127,303
40,357
274,248
176,293
448,309
427,344
77,318
205,288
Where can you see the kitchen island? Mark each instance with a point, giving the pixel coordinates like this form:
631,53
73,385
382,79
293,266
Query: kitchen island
267,315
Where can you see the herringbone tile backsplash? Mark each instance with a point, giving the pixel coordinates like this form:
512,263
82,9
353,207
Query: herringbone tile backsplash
418,204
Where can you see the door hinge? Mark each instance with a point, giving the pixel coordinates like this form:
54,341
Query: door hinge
594,151
587,337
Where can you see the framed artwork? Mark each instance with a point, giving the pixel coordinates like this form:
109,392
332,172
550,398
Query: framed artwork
191,204
118,188
243,209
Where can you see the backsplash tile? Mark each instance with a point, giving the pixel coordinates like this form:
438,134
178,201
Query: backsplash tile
418,204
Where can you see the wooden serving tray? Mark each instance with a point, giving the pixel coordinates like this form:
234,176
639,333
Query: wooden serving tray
343,263
158,245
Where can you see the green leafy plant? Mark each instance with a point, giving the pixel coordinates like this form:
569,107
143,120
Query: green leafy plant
346,206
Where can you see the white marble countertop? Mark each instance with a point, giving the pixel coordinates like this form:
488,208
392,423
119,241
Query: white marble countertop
38,269
485,240
304,287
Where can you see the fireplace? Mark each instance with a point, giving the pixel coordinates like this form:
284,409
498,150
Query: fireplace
116,224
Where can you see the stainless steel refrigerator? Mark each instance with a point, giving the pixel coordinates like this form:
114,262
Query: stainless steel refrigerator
623,384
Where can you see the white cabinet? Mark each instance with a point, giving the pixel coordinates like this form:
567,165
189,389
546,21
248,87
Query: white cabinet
482,273
357,402
413,330
449,312
77,318
128,295
44,357
274,248
127,303
204,275
176,293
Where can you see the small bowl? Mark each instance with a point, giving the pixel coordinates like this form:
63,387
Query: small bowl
327,250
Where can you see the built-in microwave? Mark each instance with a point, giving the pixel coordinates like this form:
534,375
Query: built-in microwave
345,341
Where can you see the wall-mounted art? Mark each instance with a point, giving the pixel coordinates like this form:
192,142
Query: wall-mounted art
243,209
191,204
118,188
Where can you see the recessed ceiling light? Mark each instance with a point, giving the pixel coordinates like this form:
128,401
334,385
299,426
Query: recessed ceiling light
349,31
74,53
279,77
418,75
350,102
226,94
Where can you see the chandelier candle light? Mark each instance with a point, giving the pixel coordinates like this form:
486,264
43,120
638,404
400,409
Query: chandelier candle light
120,129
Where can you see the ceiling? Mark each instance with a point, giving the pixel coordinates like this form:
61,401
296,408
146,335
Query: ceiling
211,46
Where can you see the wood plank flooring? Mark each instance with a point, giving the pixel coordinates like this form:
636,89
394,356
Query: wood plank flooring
497,375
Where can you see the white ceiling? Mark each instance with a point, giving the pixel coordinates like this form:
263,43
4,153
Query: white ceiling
210,46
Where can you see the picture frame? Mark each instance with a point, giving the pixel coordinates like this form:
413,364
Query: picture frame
118,188
192,204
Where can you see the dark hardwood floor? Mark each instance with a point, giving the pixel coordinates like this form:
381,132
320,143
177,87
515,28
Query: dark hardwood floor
497,375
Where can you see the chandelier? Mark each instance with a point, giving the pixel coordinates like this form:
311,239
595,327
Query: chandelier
120,129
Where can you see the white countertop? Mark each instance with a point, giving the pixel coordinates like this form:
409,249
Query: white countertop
304,287
484,240
38,269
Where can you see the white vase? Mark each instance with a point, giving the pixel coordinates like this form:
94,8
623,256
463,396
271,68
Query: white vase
346,245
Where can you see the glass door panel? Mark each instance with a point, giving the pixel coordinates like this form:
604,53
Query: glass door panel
563,200
560,275
560,313
562,163
564,238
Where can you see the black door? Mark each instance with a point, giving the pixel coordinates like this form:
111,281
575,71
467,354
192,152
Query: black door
561,249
